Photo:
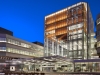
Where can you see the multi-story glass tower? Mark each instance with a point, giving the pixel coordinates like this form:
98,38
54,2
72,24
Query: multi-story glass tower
69,32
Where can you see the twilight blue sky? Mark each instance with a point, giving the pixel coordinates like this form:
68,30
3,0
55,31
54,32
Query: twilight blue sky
26,17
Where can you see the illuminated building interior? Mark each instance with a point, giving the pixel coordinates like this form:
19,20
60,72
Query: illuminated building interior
17,46
69,32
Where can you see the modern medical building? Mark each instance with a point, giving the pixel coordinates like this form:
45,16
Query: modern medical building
70,33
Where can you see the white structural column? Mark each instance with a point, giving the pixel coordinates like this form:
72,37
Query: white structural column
55,67
67,50
52,47
41,67
47,47
61,51
29,66
57,49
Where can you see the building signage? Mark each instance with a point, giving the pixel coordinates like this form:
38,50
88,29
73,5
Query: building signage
12,68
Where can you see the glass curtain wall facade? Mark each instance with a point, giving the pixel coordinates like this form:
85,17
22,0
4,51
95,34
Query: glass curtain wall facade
68,32
98,34
14,45
90,65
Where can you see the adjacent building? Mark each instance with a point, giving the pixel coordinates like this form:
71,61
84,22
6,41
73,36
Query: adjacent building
5,31
14,48
70,33
98,34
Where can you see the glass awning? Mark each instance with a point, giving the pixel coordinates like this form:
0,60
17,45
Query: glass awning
48,59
